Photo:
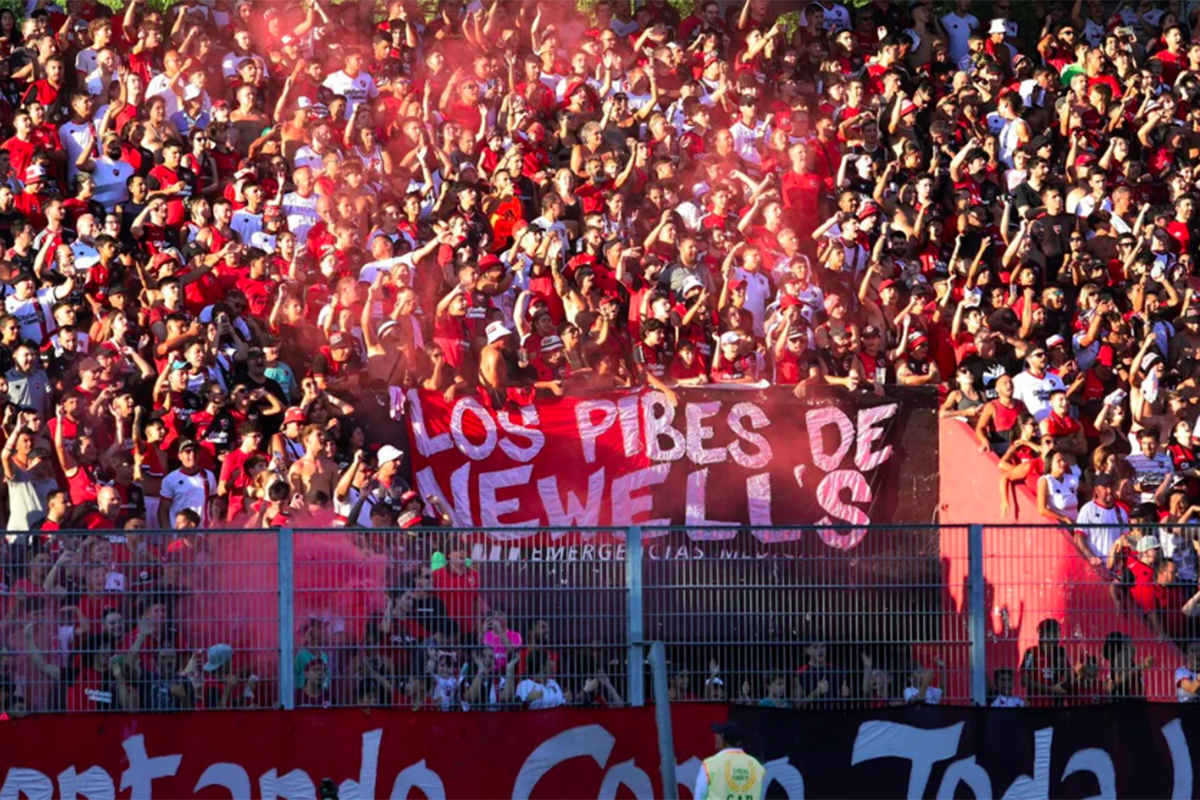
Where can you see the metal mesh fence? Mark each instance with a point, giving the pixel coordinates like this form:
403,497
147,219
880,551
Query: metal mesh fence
472,620
1092,614
140,622
801,623
456,620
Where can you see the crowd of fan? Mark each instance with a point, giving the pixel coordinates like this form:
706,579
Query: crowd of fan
234,233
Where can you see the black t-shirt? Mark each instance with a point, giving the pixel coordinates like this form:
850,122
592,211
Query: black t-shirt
1055,236
1025,196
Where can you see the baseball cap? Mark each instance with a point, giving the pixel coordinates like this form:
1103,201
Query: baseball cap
496,331
1056,341
192,92
23,275
294,414
34,173
890,283
691,283
303,102
869,331
870,209
788,301
488,261
911,108
1148,543
551,343
737,283
218,656
916,339
1084,159
387,454
730,337
187,444
339,340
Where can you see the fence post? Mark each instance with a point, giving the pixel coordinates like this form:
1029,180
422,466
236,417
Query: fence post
287,673
662,718
635,611
977,615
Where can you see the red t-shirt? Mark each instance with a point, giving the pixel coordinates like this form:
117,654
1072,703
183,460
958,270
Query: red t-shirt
459,593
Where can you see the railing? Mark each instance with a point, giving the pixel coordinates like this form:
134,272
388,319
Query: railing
460,620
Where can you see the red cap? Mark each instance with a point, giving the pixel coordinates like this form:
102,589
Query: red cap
870,209
488,261
294,414
788,301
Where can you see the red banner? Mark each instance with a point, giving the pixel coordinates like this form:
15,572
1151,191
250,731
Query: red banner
719,461
369,752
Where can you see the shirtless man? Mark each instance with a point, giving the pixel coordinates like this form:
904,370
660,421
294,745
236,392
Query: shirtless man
313,472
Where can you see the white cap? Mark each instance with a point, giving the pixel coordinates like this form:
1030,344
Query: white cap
303,102
496,331
998,26
730,337
1148,543
192,92
387,454
689,283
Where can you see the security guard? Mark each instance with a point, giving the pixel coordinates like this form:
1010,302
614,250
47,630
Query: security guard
731,774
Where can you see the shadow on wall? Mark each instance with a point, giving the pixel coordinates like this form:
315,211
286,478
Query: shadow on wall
1031,572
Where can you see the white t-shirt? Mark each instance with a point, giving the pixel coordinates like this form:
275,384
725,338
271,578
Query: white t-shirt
110,177
552,694
33,315
1062,494
745,138
958,30
74,138
836,16
301,213
188,491
1150,471
356,90
758,295
1185,674
1104,527
246,224
85,61
933,695
160,86
1035,392
369,271
343,507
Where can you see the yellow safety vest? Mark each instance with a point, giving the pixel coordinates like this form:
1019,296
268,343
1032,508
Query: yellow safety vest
734,775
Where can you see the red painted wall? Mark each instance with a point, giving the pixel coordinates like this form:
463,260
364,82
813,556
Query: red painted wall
1031,571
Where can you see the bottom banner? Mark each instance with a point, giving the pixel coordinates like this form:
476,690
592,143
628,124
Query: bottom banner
915,752
368,753
937,752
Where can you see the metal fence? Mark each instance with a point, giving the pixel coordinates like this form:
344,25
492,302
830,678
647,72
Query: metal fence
464,620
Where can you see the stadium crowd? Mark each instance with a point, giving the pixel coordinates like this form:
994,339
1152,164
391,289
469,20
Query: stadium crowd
234,232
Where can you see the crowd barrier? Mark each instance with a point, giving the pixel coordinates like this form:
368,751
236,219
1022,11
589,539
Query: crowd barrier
462,619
